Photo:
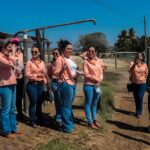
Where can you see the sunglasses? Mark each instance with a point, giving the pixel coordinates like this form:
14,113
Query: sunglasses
91,51
69,49
55,53
34,52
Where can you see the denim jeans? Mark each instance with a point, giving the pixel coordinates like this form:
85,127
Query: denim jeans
138,93
35,93
56,91
149,102
67,94
8,108
91,99
19,95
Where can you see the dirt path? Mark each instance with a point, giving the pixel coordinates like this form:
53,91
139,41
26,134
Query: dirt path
120,133
126,132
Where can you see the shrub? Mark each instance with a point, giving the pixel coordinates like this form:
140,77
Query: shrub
106,103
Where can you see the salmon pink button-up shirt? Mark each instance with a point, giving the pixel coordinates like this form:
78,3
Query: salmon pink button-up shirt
32,71
139,73
93,71
7,75
63,71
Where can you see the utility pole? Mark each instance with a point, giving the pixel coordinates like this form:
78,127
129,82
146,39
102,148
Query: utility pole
146,49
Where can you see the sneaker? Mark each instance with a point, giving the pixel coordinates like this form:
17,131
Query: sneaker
96,124
33,125
138,116
59,123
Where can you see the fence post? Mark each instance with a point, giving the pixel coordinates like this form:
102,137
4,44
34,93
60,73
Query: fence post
115,59
25,50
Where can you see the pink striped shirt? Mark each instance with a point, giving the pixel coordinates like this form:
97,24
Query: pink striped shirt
7,75
32,71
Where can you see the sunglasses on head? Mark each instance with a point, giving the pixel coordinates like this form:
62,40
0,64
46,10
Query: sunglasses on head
34,52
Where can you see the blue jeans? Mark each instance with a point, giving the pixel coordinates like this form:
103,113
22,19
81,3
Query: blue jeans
8,109
138,93
35,93
56,91
67,94
91,99
19,96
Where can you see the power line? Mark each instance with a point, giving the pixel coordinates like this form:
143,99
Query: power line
117,11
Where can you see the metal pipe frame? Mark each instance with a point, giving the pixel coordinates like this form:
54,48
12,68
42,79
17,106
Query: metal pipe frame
54,26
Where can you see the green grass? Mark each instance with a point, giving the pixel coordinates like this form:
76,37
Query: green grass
107,99
59,145
107,102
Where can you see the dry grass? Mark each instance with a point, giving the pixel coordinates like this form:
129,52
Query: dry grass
110,63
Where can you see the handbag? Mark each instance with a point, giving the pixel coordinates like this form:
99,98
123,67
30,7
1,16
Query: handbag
47,94
130,87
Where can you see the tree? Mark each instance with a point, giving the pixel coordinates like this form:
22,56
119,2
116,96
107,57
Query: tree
98,40
128,41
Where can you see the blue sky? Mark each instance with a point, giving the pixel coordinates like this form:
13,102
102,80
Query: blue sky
111,16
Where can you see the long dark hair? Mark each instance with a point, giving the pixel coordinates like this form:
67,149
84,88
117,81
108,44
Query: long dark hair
5,45
143,60
62,45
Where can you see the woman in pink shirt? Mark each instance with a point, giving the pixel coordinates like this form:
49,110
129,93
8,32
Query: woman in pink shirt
93,76
55,85
18,57
8,92
36,73
66,71
139,73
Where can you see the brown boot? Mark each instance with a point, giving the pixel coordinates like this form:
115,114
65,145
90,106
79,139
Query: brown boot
92,126
96,124
10,136
17,132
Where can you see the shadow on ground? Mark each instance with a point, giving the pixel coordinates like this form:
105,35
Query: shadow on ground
131,138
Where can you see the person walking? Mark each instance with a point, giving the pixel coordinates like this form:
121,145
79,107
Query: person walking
93,76
35,71
138,74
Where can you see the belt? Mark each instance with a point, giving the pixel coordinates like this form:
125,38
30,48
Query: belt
35,82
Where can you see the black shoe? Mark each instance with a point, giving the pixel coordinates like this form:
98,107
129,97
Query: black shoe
20,117
40,122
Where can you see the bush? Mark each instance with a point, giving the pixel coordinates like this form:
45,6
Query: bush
107,102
